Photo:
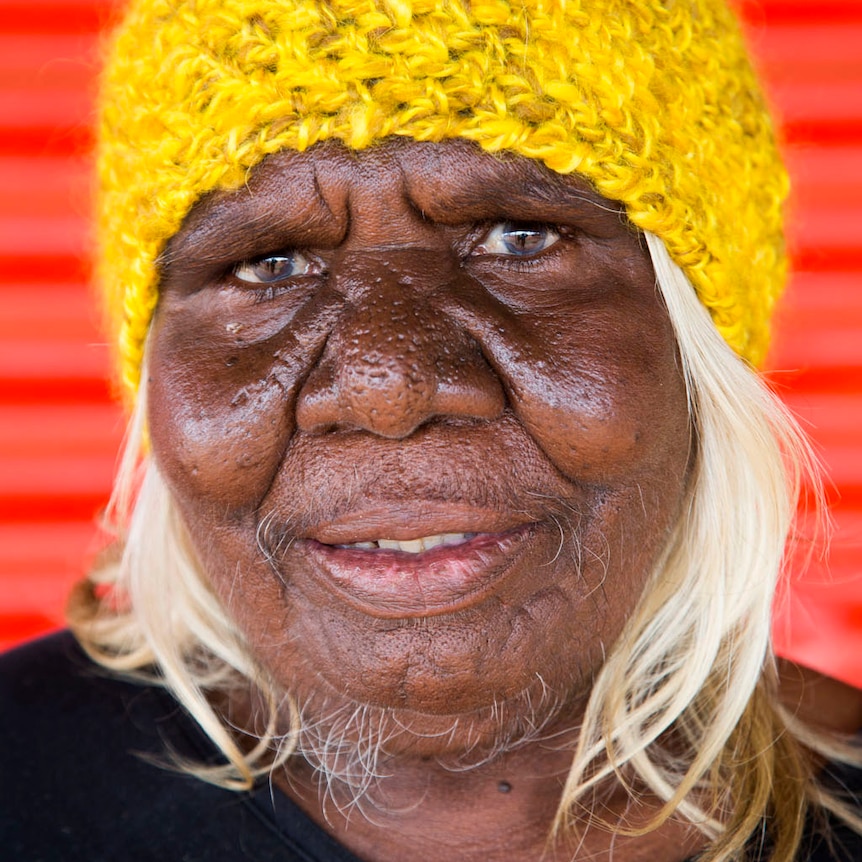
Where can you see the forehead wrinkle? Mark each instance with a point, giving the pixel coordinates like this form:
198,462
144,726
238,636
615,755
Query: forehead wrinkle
324,190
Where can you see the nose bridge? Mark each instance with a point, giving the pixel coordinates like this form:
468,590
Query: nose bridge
408,271
392,362
386,376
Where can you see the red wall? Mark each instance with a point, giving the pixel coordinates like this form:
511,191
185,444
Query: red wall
59,429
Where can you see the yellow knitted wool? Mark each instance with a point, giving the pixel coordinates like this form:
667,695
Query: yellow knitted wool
654,101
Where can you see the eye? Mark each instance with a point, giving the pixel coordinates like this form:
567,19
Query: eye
520,240
272,268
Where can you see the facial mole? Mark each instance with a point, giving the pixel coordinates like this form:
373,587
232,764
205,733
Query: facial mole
504,787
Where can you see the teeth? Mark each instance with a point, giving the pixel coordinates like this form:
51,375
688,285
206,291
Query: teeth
412,546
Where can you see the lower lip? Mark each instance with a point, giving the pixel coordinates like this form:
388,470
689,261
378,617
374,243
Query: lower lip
398,585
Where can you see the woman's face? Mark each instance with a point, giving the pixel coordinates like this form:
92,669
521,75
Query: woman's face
422,413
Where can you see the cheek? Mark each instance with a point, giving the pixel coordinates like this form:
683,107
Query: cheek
212,440
606,433
221,390
605,401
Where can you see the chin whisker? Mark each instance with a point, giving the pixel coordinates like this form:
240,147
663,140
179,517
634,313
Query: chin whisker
568,520
560,547
273,542
347,746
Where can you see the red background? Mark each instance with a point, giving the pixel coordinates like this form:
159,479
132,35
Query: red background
59,428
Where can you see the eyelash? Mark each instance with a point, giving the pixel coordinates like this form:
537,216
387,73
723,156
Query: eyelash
521,263
497,232
264,293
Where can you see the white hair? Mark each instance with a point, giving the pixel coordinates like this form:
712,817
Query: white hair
692,659
700,636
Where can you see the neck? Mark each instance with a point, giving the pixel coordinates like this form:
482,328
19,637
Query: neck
500,810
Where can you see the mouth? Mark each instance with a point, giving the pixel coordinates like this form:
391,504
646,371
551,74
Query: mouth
411,546
419,575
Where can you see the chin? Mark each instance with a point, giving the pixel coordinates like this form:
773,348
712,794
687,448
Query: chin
349,744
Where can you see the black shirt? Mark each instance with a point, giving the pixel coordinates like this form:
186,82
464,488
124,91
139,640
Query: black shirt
78,782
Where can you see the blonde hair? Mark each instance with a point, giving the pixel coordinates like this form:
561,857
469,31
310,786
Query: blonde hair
694,660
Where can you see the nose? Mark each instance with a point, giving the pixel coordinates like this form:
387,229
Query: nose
391,362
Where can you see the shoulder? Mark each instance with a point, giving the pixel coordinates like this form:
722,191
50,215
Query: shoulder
833,840
79,781
49,670
56,701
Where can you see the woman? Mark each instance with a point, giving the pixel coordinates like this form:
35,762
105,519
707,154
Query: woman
460,508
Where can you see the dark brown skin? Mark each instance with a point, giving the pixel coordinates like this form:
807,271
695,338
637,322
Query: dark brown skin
417,369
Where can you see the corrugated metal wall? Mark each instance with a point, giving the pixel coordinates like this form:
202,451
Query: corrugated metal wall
59,429
810,53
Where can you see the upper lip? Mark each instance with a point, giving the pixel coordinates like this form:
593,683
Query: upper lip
402,523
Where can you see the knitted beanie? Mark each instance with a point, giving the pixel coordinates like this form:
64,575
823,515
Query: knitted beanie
653,101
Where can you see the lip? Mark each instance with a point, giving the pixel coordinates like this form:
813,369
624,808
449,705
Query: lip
396,585
419,519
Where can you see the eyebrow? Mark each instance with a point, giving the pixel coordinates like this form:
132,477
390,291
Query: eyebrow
525,191
224,230
228,226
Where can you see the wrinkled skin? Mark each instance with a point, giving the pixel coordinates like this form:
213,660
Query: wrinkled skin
408,373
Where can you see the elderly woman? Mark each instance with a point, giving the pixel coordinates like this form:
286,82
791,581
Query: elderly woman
452,509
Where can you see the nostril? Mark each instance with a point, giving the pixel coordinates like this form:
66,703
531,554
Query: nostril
391,364
471,390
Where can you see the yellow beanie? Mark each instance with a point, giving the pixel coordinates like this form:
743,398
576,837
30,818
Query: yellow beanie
653,101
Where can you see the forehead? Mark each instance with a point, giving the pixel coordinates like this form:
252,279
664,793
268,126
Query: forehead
450,182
